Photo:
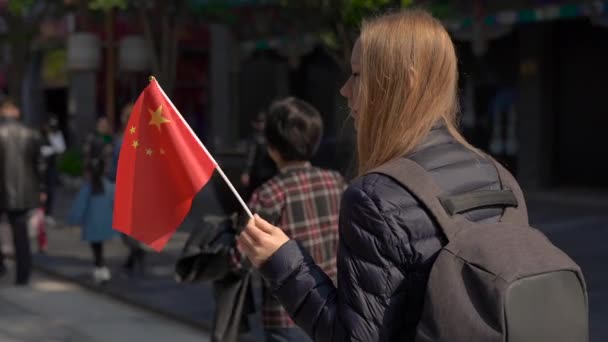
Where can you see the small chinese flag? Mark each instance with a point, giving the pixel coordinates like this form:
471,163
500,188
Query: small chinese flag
162,166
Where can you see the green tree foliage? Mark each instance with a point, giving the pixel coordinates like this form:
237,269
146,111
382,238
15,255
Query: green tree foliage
18,7
23,20
337,21
106,5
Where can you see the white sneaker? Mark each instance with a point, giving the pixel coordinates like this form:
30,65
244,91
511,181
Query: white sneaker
101,274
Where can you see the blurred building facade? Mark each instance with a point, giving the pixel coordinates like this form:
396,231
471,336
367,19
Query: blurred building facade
532,94
532,75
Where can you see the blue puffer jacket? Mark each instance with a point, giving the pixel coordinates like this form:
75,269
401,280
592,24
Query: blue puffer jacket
388,244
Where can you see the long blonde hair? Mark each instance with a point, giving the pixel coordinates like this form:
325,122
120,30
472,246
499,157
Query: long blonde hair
409,79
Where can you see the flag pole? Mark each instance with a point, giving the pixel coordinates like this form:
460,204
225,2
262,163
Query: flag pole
219,169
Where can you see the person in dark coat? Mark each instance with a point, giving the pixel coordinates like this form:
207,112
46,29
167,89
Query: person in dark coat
403,97
259,166
53,147
21,183
99,146
137,250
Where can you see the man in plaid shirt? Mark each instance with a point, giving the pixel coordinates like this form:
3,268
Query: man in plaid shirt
301,199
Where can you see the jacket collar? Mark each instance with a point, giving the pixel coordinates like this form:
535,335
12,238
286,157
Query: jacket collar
438,135
298,166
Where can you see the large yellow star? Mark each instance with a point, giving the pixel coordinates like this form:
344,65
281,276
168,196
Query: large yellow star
157,117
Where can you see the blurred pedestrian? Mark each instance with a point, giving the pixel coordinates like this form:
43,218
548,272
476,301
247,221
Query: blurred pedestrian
301,199
21,183
92,210
259,166
137,251
93,206
124,118
99,145
53,146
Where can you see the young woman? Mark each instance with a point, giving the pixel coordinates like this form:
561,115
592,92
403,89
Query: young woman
403,97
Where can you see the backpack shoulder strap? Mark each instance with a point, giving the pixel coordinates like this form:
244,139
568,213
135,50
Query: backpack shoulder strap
458,204
516,214
417,181
510,197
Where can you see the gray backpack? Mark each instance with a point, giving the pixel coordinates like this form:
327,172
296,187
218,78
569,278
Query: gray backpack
500,281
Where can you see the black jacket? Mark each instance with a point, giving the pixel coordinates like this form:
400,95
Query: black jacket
259,165
207,257
388,244
21,166
97,146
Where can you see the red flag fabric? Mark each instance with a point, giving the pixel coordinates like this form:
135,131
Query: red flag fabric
162,166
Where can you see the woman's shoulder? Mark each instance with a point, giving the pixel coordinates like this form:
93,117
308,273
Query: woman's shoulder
383,193
379,205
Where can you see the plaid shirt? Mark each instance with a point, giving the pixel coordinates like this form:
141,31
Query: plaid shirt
304,201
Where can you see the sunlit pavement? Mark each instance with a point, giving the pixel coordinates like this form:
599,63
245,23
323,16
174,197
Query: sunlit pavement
52,311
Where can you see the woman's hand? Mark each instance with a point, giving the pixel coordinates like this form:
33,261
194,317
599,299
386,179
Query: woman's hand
260,240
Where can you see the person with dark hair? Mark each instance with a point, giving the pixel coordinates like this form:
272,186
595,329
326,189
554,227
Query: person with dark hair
92,210
54,145
21,183
94,204
259,166
99,145
301,199
137,252
124,119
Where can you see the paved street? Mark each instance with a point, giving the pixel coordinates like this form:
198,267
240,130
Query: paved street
54,311
155,291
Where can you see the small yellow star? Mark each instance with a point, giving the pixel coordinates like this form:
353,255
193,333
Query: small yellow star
162,151
149,151
132,130
157,117
135,144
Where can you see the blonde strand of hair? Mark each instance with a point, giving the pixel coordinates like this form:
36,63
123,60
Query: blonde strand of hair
409,81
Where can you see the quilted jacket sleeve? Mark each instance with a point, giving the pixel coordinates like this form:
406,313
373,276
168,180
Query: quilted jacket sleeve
368,256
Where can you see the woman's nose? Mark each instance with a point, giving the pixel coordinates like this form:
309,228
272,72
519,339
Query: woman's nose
345,90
